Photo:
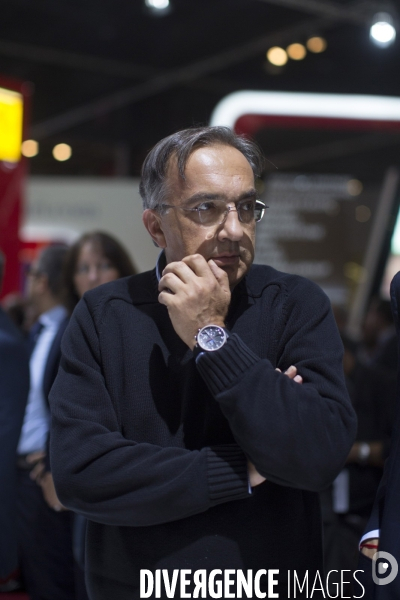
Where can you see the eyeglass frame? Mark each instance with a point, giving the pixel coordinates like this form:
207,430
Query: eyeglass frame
225,213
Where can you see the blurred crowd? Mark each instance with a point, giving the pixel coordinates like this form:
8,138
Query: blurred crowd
42,543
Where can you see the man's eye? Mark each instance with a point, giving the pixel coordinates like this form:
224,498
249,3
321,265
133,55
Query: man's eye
248,205
205,206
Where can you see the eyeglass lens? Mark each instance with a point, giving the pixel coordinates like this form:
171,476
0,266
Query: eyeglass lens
212,213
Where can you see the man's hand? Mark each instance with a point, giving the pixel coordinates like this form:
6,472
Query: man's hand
254,476
49,492
291,372
196,293
36,459
370,551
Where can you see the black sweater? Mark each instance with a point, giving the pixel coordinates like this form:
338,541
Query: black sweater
152,447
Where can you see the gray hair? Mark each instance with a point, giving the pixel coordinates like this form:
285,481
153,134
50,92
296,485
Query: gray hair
50,263
153,186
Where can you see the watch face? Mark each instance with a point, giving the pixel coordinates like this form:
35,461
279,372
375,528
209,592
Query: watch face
211,338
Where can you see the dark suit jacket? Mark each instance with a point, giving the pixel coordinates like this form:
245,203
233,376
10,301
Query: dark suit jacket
386,512
14,388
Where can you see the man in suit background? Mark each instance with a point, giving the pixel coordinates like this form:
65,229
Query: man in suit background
383,528
44,528
14,387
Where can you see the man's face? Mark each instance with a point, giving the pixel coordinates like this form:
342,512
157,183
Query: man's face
215,172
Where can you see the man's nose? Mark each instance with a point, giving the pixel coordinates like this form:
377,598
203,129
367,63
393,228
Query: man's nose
232,228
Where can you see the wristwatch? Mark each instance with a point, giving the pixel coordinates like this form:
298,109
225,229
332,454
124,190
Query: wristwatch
210,338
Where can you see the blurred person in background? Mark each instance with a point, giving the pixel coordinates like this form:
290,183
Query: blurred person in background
94,259
44,529
379,341
14,387
14,305
350,499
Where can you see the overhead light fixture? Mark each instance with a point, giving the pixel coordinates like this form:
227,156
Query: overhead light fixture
383,31
158,6
62,152
277,56
29,148
316,44
296,51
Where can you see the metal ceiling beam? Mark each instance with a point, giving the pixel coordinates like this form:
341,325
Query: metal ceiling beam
100,65
359,13
329,15
95,64
174,77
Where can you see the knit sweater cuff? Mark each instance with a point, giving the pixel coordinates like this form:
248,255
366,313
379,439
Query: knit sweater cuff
221,369
227,473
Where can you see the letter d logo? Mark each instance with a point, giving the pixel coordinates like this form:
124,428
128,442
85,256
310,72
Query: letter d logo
382,567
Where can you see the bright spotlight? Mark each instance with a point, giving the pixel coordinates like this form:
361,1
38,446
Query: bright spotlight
382,32
157,4
29,148
296,51
277,56
62,152
316,44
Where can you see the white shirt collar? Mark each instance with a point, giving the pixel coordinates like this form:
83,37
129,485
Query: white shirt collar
54,316
160,264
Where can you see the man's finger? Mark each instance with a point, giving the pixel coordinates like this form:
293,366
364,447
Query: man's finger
219,274
170,283
198,265
35,457
291,371
181,270
37,472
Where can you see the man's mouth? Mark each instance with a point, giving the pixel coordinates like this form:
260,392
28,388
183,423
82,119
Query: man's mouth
227,258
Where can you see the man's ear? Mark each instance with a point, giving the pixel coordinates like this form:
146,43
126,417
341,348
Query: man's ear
152,222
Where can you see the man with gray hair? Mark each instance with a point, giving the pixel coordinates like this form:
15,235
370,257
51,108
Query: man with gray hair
180,424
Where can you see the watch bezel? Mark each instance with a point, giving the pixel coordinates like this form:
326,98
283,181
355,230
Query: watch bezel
201,347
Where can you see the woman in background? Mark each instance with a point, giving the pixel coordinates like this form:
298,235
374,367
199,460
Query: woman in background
94,259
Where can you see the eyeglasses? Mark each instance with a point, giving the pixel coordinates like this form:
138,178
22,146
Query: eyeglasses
214,212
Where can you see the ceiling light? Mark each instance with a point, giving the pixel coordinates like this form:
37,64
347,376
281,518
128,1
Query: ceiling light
354,187
157,4
382,32
316,44
29,148
62,152
296,51
363,213
277,56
